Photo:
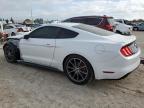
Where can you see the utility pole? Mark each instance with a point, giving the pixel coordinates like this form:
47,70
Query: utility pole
1,25
31,14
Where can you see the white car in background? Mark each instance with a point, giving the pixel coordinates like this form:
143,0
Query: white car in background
10,29
83,52
14,29
123,29
22,28
122,21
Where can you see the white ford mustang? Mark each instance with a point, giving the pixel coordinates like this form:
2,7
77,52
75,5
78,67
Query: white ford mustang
83,52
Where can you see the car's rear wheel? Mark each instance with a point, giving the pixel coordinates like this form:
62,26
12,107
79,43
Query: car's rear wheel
10,53
135,29
13,34
118,32
78,70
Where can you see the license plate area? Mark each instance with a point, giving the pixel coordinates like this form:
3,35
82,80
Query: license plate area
134,48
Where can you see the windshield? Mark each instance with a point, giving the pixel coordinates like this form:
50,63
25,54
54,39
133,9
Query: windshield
94,30
111,21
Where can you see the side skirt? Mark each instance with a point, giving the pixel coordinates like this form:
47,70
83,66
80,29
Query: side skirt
38,66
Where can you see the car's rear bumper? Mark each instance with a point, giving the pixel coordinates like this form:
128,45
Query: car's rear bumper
118,68
121,72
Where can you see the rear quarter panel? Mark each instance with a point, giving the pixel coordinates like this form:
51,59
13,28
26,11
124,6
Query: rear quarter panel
90,47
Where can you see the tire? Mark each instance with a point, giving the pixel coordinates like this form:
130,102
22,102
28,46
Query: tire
78,70
13,34
135,29
118,32
10,53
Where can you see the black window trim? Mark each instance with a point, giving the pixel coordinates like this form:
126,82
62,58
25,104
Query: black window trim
76,34
58,33
42,37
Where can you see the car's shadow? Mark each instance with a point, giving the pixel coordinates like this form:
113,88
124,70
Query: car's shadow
37,66
50,78
57,73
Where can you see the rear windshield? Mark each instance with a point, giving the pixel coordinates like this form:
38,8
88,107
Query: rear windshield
111,21
93,21
94,30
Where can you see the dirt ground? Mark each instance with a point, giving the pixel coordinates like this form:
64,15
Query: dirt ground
28,86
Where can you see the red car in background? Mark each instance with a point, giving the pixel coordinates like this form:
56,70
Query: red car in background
104,22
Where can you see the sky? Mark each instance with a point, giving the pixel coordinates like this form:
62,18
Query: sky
61,9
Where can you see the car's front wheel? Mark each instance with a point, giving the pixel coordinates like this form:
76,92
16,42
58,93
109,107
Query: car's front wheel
10,53
78,70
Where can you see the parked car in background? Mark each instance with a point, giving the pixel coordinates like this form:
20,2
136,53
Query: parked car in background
104,22
83,52
22,28
123,29
34,26
123,21
139,26
14,29
10,29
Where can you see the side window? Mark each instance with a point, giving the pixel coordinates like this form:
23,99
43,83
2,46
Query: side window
78,20
67,20
8,27
49,32
119,21
65,33
126,22
93,21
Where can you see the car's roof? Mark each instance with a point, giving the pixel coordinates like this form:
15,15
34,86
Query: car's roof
82,27
90,17
63,24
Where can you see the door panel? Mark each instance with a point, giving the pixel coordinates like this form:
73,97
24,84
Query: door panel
37,50
40,46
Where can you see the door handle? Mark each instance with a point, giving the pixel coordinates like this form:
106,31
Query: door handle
49,45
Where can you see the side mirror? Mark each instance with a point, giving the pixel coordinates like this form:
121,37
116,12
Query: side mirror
26,36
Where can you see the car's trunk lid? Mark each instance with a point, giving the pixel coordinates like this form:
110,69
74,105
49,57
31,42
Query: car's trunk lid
127,44
121,39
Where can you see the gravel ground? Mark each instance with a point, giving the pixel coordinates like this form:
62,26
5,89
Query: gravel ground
28,86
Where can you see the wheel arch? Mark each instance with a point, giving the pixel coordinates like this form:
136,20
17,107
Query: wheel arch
74,54
13,32
18,51
118,31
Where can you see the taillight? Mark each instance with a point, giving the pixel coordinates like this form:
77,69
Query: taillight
109,27
126,51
